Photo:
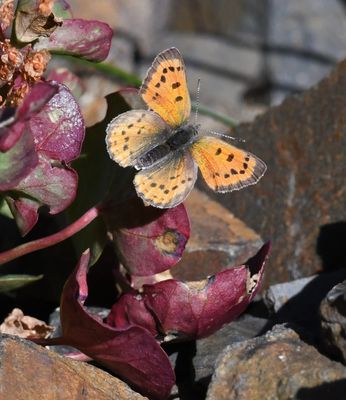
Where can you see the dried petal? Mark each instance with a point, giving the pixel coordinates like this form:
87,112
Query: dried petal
6,13
45,7
10,58
35,64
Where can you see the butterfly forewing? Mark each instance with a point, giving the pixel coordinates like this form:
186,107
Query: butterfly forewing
225,167
167,183
164,89
132,134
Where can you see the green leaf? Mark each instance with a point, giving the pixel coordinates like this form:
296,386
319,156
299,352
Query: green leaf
17,162
12,282
5,209
61,9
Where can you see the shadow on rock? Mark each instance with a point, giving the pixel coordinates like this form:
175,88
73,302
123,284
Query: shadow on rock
331,245
332,390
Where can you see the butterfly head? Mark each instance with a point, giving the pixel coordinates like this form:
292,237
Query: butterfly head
182,136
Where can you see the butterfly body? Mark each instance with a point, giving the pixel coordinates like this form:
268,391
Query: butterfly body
180,138
167,149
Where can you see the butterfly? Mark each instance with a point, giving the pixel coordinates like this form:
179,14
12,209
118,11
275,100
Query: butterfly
167,149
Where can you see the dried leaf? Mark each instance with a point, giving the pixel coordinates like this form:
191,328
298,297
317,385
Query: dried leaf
25,326
31,23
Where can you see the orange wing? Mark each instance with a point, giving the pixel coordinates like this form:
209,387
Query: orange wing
225,167
167,183
134,133
164,88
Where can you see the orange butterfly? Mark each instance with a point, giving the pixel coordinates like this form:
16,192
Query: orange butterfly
166,148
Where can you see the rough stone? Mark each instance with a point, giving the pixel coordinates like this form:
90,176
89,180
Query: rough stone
195,361
218,240
299,301
28,371
208,349
278,295
302,141
333,322
277,366
303,43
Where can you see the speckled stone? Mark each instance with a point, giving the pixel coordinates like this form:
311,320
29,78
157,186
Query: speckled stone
29,372
300,202
276,366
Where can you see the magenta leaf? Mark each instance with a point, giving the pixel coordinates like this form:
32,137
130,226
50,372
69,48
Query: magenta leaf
38,96
177,310
58,129
48,185
87,39
149,240
69,79
18,161
131,352
24,211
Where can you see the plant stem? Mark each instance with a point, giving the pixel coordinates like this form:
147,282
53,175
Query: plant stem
108,69
215,115
133,80
51,240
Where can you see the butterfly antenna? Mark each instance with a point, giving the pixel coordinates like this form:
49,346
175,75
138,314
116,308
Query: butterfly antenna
227,136
197,99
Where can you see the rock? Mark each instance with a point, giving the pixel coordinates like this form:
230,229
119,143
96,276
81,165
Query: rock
299,301
29,371
302,141
279,366
208,349
333,322
278,295
218,240
303,44
195,361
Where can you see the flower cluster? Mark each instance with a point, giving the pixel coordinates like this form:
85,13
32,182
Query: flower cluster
20,68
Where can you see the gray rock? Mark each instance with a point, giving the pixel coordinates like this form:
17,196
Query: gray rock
304,43
299,301
278,295
195,361
277,365
302,141
333,322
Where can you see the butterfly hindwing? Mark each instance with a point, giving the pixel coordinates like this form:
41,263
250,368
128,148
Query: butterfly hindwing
133,133
165,90
225,167
167,183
